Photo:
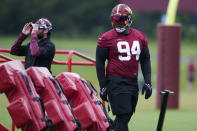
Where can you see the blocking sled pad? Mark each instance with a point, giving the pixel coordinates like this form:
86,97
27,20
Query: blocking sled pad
3,128
25,108
79,91
57,107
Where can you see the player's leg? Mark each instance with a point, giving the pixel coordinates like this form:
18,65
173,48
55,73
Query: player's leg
121,122
123,99
123,106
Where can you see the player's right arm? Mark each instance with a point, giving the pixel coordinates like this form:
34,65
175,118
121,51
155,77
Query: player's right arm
17,49
102,52
101,56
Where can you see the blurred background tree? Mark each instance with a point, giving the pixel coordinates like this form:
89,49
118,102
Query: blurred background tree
69,18
78,18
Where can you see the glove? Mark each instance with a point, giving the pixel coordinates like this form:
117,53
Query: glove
147,89
103,93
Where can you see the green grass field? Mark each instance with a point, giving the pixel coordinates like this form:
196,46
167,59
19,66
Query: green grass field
146,116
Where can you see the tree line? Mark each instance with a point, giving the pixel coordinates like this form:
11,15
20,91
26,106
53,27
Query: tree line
76,17
67,16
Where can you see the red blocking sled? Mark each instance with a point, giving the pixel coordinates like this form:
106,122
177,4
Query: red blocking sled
82,107
25,107
57,107
3,128
79,91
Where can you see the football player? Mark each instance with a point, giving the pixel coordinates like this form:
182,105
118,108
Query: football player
123,47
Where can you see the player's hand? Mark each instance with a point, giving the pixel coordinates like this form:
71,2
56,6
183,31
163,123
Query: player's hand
27,28
103,93
147,90
35,28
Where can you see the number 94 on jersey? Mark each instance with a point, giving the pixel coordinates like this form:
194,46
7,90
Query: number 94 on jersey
124,48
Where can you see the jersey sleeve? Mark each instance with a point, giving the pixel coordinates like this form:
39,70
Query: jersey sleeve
144,41
104,41
142,37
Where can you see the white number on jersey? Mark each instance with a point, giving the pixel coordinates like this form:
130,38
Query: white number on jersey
126,50
123,47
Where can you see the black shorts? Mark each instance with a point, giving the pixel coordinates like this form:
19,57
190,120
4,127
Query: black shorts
123,94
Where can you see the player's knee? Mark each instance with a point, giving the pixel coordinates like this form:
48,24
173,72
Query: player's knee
121,122
124,117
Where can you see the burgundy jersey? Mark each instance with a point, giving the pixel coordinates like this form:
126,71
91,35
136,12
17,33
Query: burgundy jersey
124,51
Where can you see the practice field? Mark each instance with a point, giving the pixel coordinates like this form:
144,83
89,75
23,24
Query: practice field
146,116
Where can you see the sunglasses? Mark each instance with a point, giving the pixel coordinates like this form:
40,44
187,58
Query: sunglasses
119,20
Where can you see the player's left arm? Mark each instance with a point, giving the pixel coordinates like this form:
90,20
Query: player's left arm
146,71
146,65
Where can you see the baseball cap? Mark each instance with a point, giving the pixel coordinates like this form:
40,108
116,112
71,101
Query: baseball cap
44,23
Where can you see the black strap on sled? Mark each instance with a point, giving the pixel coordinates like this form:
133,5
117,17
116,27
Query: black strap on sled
93,87
49,124
108,119
59,87
56,87
90,87
26,82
